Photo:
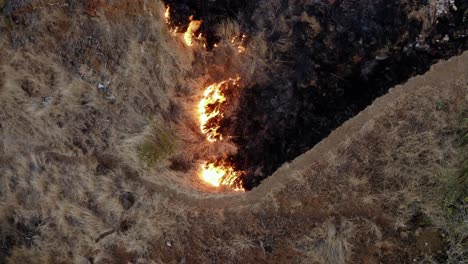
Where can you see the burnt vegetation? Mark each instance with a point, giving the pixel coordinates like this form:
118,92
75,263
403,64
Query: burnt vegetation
335,58
100,141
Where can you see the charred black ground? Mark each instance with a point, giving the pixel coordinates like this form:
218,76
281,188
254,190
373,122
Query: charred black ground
342,56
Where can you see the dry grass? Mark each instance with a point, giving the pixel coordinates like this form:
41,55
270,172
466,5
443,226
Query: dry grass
447,207
74,188
59,195
329,244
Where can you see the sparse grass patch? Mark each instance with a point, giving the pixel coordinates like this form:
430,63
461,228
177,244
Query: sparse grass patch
450,214
441,106
159,145
455,191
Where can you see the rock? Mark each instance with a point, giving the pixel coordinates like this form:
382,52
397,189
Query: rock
381,57
103,88
422,46
127,199
46,100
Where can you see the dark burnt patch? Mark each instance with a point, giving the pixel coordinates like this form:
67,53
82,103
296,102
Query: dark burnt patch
343,55
211,12
360,52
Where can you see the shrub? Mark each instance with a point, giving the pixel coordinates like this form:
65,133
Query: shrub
159,145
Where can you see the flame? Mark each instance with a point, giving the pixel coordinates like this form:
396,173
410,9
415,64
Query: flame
167,14
193,26
210,117
209,108
174,31
220,175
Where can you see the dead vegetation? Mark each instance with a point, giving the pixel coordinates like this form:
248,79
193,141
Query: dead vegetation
447,207
74,188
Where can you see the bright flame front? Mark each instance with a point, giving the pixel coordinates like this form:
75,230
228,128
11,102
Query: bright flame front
210,108
211,114
193,26
219,175
167,14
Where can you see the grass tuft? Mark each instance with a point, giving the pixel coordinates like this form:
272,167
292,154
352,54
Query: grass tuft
160,145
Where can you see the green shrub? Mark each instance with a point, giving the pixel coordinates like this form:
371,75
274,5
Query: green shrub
159,145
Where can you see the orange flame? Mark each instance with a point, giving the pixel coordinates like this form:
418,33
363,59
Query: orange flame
193,26
210,117
220,176
209,108
167,14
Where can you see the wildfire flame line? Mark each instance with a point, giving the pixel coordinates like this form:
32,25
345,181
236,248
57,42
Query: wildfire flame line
210,116
210,111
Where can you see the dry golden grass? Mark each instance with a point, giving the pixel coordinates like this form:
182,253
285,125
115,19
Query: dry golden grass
59,195
74,189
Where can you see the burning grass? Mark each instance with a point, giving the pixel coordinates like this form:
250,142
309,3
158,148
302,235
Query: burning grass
192,28
72,184
219,175
211,108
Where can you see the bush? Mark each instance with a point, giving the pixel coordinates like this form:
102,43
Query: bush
160,145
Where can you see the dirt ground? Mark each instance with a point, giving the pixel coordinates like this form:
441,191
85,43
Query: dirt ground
79,101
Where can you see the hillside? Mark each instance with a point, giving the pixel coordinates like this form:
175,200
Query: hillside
101,149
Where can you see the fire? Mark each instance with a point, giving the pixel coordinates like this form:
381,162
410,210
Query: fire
210,110
193,26
210,106
239,43
167,14
189,35
210,116
220,175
